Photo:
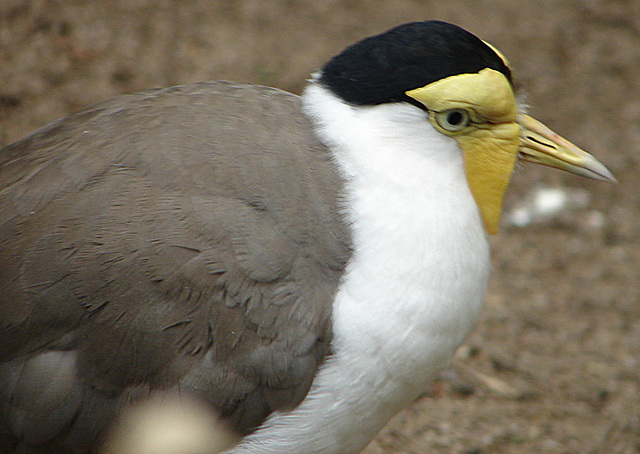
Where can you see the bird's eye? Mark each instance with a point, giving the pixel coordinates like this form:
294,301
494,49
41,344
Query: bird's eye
453,120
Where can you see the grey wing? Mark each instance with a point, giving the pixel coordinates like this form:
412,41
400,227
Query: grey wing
187,238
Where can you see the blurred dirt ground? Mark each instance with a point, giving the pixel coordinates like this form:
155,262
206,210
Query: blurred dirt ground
554,365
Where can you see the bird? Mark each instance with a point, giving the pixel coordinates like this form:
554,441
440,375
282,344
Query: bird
303,266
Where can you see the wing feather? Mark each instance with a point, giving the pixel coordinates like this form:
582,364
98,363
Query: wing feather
186,238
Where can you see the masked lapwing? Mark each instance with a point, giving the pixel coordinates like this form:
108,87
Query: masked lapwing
301,265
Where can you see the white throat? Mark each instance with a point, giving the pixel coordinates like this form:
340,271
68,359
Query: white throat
413,288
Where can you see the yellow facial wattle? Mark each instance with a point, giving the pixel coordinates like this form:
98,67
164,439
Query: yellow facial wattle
495,135
491,140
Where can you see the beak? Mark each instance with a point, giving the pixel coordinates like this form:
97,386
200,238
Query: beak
540,145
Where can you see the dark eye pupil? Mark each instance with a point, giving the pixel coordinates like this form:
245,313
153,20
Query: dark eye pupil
454,118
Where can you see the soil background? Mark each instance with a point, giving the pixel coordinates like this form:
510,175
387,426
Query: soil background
554,364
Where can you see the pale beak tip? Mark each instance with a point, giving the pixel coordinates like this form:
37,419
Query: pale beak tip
609,177
599,171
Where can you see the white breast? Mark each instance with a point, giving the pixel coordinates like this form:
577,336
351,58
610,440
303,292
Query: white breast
413,288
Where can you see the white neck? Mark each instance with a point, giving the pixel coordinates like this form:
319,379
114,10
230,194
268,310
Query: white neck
413,288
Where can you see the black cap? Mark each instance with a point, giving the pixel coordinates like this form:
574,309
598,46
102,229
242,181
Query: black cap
380,69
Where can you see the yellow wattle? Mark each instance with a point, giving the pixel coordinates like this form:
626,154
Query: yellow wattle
490,142
489,157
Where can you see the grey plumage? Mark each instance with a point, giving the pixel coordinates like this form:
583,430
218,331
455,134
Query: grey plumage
163,240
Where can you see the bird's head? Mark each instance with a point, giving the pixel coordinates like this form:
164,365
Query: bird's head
465,86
